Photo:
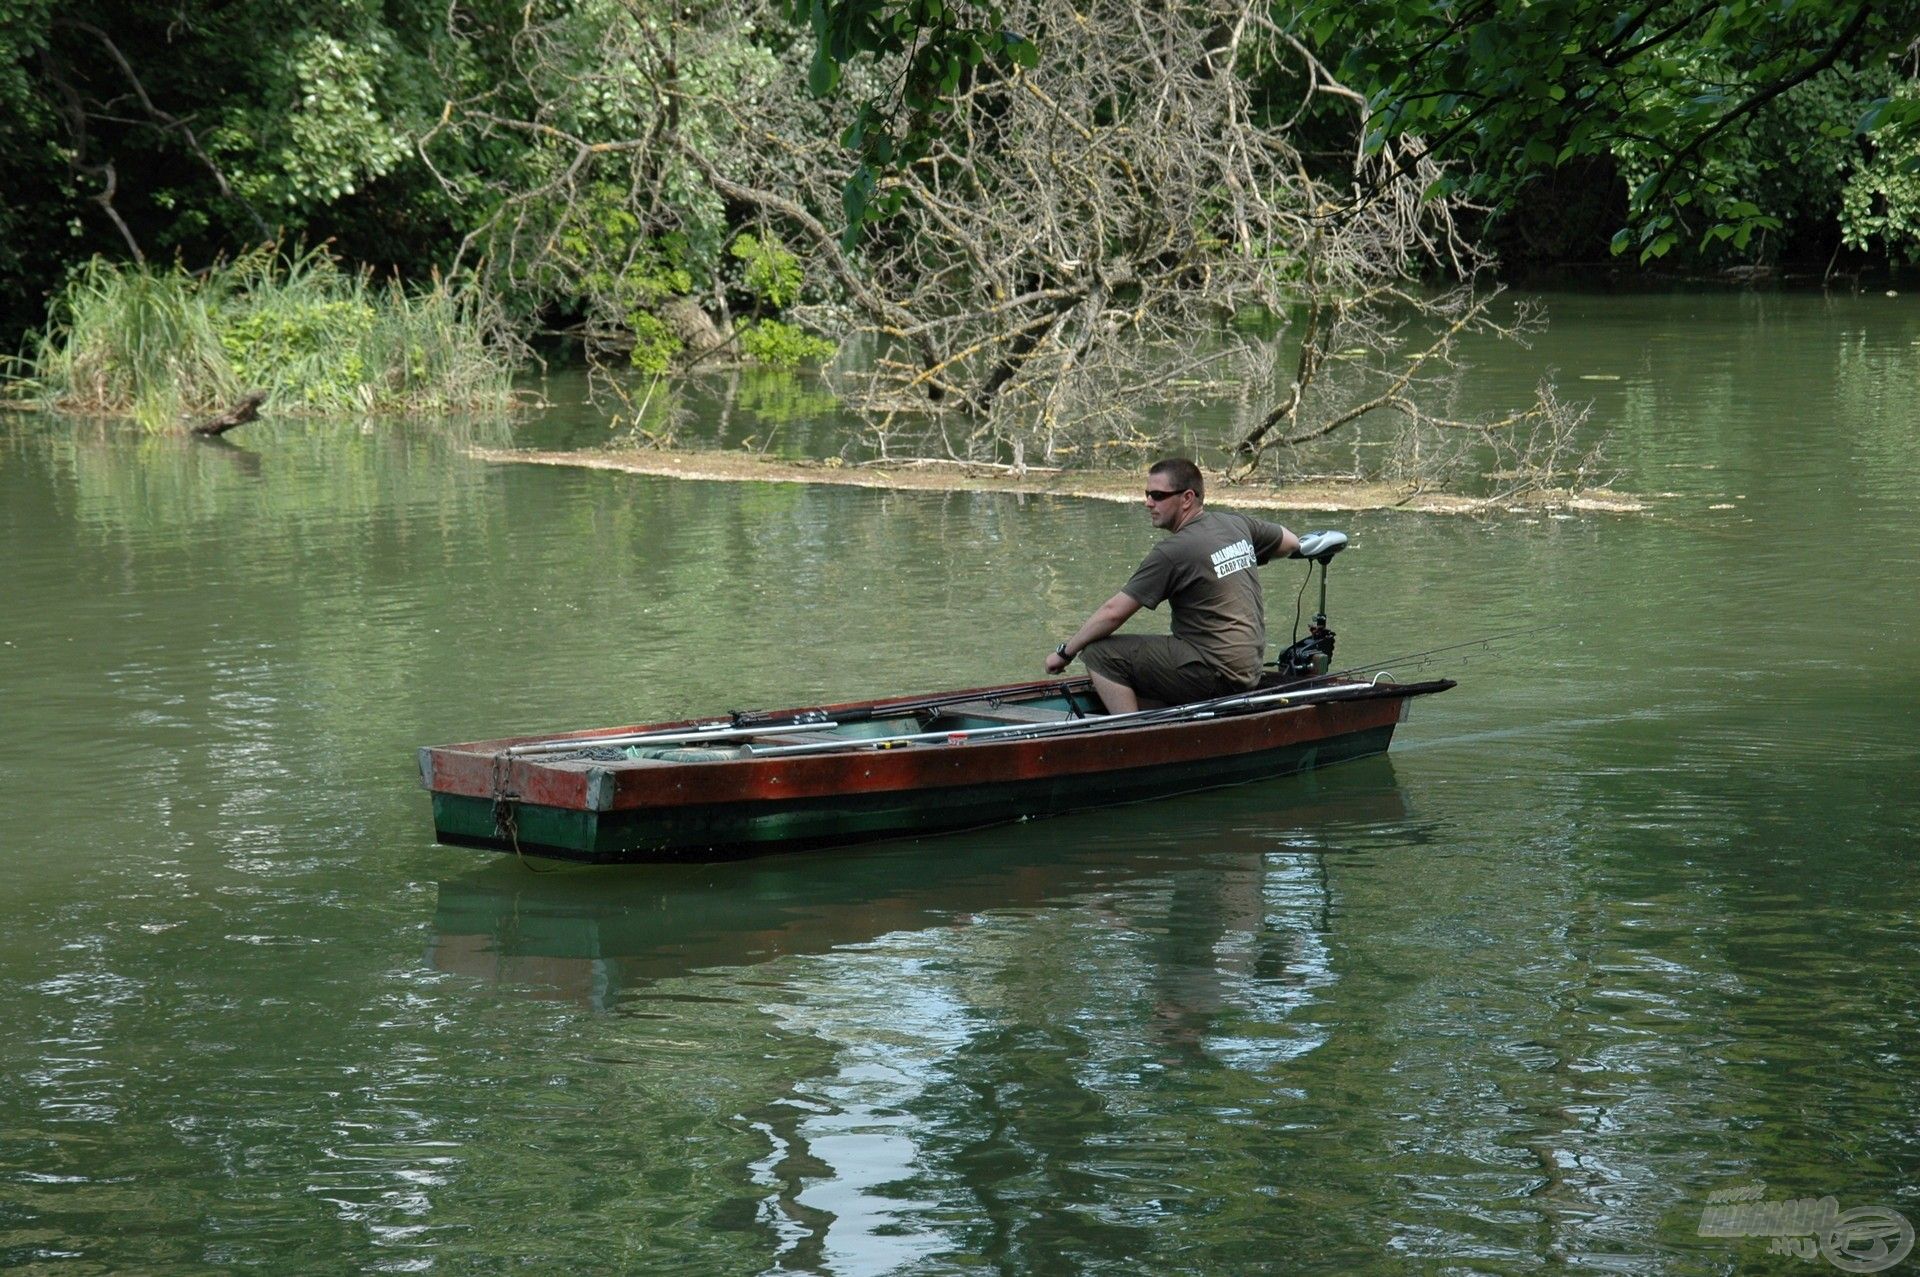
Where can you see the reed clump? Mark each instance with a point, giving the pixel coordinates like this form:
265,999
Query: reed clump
165,345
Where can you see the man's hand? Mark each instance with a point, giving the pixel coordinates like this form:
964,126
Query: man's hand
1056,663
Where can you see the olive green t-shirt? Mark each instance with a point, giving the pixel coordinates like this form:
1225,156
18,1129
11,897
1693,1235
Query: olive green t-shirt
1206,569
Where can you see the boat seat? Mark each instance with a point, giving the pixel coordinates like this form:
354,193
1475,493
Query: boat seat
1004,713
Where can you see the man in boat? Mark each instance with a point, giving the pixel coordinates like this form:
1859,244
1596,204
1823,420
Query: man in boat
1205,567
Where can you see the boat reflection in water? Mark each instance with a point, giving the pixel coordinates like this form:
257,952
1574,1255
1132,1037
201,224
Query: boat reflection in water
586,936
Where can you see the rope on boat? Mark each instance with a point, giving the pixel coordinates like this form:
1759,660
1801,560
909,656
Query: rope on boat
506,815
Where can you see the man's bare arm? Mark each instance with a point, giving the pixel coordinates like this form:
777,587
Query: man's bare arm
1106,618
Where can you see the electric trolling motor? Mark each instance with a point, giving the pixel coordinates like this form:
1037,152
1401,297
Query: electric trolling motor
1313,655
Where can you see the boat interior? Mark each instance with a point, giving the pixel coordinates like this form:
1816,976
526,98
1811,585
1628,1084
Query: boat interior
931,720
929,724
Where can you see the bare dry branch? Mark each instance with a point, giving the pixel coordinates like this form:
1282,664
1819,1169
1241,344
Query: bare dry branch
1063,267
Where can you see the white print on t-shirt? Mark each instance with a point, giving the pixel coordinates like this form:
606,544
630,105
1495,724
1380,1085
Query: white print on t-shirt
1237,557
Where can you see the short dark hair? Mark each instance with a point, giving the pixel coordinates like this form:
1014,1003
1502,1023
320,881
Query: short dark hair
1181,474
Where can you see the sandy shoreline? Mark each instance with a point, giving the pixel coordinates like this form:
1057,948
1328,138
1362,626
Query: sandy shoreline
736,467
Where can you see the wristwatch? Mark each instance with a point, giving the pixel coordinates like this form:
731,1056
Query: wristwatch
1063,654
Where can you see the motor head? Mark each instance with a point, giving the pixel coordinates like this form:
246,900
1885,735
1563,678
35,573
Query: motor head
1320,546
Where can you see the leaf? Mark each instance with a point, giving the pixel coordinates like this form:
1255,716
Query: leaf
1481,45
823,76
855,195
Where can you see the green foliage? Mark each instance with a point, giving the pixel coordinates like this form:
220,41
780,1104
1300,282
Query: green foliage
160,344
605,257
779,345
607,263
1881,200
134,341
772,274
262,344
324,130
35,208
945,42
629,225
1732,120
226,125
774,277
655,345
1684,96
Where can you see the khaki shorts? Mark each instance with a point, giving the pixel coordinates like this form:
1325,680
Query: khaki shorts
1158,667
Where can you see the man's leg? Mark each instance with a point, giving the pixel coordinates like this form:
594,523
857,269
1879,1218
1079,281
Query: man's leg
1115,695
1167,671
1124,670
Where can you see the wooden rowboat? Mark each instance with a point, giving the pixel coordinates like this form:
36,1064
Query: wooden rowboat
760,782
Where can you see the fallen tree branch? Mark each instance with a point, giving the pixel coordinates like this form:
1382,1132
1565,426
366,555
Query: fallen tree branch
248,409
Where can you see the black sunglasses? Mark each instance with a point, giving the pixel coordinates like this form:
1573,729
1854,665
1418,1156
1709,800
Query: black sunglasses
1154,494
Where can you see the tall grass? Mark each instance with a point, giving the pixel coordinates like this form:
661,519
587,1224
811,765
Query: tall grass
166,346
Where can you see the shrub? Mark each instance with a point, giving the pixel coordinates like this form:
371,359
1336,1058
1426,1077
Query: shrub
778,345
161,344
655,345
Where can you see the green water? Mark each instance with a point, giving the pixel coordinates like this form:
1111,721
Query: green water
1626,920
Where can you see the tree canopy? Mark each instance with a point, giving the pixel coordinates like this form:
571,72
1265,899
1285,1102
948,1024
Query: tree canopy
198,129
414,135
1725,118
1696,101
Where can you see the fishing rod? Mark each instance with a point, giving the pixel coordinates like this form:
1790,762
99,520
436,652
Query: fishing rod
741,725
1302,688
1075,726
1299,691
813,718
695,735
1421,657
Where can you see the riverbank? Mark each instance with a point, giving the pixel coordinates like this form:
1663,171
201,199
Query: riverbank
741,467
